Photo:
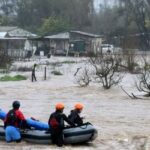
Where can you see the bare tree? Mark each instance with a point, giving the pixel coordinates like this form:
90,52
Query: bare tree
143,82
106,70
129,61
83,77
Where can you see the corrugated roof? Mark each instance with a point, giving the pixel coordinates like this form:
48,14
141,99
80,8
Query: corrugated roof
20,33
86,34
64,35
11,32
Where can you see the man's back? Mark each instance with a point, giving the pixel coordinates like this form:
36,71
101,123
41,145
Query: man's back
14,117
75,118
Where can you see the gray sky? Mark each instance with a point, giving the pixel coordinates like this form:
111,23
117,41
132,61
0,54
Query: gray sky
97,2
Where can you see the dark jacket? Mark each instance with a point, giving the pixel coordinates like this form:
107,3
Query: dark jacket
75,117
61,117
33,70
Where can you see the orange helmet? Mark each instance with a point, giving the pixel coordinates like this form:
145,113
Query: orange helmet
60,106
78,106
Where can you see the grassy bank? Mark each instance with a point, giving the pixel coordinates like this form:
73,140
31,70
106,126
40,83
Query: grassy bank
13,78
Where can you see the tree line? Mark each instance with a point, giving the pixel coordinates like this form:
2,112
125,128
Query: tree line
49,16
122,19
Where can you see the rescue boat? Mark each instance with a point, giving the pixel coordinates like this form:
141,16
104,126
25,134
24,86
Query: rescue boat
40,134
72,135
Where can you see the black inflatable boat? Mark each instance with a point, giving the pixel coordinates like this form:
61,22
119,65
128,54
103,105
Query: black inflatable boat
81,134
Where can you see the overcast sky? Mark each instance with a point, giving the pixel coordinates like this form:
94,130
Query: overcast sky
98,2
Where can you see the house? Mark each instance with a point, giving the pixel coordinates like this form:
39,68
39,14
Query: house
74,42
40,46
59,43
83,42
14,41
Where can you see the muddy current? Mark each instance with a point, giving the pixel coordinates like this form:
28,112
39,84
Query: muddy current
122,123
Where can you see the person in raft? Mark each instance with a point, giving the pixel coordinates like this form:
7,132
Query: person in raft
75,114
13,121
56,123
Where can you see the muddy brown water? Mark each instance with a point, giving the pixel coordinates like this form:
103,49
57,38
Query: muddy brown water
122,124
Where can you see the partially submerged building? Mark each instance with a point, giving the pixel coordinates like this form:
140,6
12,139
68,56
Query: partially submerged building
59,43
83,42
19,43
74,42
40,46
14,41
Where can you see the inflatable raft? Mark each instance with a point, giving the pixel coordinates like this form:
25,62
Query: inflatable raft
32,123
72,135
2,115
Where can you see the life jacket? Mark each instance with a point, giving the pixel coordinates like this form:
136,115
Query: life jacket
11,119
56,120
53,123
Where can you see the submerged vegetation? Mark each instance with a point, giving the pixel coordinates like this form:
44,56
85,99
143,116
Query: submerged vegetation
57,73
13,78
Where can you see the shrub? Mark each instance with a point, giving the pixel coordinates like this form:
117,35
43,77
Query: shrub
106,71
14,78
58,73
68,62
83,77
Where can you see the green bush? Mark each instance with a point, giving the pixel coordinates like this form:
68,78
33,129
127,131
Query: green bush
14,78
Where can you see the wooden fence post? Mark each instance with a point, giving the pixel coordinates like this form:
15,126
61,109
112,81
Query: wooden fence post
45,73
